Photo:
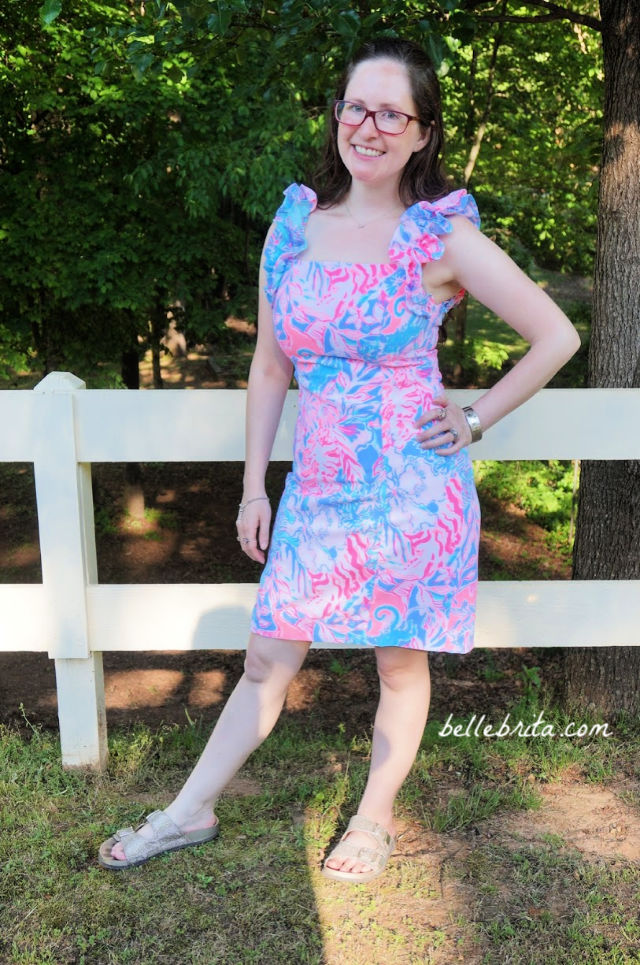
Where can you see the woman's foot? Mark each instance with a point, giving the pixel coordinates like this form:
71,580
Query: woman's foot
185,820
361,839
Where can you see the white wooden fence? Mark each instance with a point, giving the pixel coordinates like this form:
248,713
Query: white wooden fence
62,429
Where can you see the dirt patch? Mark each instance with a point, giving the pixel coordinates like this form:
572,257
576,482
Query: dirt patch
594,820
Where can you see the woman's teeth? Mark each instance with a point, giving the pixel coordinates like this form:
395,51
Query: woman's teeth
367,151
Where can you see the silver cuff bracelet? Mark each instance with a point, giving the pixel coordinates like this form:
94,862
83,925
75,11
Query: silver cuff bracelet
474,422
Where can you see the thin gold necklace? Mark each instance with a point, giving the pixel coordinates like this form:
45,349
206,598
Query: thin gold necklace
364,225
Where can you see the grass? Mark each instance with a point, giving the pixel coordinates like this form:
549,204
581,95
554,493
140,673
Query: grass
491,341
256,895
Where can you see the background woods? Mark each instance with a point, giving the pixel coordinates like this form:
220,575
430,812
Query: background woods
144,148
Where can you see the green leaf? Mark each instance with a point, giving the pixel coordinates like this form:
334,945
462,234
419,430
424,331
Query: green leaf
139,65
175,73
347,24
49,10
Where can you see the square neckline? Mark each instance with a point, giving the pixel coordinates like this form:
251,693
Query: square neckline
404,240
336,262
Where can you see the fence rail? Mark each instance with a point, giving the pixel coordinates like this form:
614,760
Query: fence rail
62,429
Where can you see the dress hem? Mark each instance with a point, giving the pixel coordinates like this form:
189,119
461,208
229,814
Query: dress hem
340,645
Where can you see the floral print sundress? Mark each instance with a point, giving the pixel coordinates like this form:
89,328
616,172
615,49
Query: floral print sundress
375,542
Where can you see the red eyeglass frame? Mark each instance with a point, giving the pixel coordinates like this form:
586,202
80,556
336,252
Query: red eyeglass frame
372,114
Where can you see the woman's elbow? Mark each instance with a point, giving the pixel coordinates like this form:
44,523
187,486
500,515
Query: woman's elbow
562,339
573,342
563,347
270,370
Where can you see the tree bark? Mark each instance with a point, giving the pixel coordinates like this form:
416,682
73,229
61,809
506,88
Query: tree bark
130,368
607,545
158,327
133,496
475,129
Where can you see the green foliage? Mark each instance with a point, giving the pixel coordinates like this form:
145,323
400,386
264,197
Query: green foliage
536,173
112,207
478,359
144,149
489,354
49,10
544,490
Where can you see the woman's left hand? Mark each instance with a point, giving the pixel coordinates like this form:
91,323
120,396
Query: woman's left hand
445,417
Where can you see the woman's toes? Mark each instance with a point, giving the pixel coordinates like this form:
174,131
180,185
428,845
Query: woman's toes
117,852
348,864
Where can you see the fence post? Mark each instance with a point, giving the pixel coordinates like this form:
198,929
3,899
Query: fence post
69,564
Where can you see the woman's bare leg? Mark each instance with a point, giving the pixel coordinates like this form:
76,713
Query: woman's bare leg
405,692
246,720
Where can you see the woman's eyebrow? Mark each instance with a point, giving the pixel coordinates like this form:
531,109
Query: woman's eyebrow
385,106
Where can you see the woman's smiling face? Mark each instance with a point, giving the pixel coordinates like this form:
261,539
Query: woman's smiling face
368,155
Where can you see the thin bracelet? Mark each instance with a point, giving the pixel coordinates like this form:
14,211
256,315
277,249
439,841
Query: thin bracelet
255,499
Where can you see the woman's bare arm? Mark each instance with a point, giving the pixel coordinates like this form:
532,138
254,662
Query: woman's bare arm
269,379
487,272
495,280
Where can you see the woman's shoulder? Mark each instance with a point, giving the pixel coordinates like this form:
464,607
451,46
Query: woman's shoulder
456,202
424,226
298,199
286,236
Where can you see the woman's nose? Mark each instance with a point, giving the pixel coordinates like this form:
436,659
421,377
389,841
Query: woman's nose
368,127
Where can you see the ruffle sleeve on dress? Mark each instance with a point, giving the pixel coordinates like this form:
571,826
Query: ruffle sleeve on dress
418,239
287,238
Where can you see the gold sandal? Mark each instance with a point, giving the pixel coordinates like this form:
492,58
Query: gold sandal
167,836
377,857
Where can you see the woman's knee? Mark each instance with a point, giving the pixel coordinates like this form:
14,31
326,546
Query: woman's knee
399,665
273,658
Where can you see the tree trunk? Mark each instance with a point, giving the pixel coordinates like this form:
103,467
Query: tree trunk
481,126
462,370
607,545
475,129
130,368
133,497
158,328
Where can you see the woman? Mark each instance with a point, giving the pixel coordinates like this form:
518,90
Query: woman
376,539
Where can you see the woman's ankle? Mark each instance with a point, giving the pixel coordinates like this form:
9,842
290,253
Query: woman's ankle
190,813
382,816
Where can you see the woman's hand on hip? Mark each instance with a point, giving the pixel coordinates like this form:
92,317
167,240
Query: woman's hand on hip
447,430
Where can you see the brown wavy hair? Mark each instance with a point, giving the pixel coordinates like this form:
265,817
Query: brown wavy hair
423,178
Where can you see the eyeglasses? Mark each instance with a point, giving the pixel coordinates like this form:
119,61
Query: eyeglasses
386,121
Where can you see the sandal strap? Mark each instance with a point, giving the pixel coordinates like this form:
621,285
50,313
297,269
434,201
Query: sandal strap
360,823
376,859
165,827
165,834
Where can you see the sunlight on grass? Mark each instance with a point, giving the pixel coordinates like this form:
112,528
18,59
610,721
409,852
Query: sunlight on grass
257,895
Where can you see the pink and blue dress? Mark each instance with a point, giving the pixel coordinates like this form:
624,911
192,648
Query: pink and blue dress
375,542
